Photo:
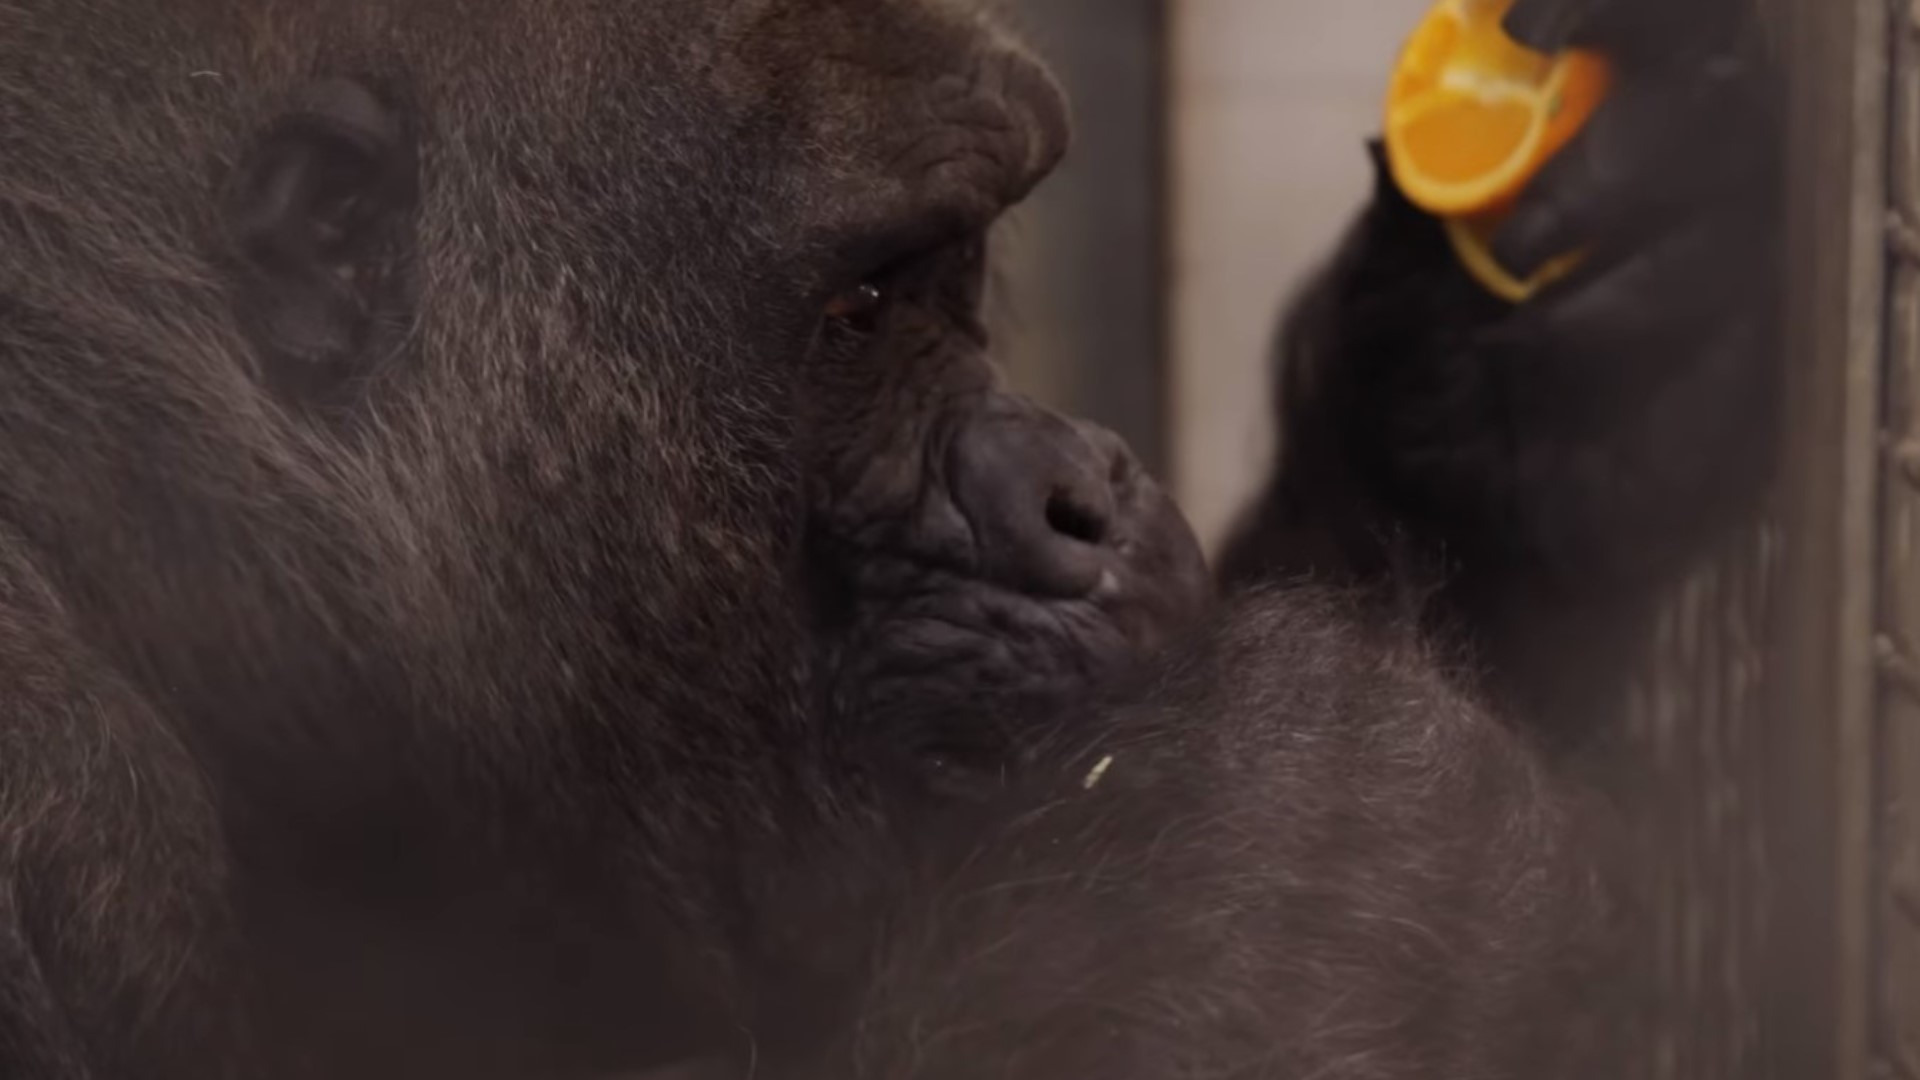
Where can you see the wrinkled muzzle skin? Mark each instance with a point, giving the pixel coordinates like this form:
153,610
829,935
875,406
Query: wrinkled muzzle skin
978,558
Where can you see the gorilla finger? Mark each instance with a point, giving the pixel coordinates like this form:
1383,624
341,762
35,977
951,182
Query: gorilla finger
1605,340
1637,33
1695,272
1591,185
1690,461
1651,150
1549,25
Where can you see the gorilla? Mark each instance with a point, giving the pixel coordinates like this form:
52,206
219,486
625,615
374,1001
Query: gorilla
514,562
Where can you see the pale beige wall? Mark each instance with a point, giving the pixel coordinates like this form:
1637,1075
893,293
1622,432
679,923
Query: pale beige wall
1271,103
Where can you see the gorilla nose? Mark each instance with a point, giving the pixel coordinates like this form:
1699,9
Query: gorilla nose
1041,494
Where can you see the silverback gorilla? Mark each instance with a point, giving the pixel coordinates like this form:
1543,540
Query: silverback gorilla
514,563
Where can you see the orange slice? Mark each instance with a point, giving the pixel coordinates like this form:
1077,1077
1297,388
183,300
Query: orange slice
1472,114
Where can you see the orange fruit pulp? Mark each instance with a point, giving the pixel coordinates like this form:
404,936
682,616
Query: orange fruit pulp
1472,115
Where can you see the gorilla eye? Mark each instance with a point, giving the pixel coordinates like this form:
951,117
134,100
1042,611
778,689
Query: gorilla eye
858,307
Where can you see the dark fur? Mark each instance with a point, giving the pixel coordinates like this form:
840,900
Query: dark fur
545,649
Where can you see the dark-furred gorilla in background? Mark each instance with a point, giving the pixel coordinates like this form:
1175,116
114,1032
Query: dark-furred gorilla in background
514,564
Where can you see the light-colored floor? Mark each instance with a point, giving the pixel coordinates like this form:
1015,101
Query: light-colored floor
1272,102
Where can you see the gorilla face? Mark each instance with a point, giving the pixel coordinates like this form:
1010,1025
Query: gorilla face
967,554
973,555
976,558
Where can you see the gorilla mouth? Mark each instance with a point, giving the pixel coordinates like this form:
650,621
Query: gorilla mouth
946,673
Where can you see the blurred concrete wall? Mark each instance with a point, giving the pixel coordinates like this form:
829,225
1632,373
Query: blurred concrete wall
1080,312
1271,101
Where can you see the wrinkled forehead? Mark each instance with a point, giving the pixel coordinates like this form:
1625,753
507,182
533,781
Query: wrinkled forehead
929,103
750,54
894,105
897,37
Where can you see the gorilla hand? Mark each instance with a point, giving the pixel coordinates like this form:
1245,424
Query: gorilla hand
1594,437
1640,395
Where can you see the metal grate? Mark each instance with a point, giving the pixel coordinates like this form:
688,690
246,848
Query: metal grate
1696,787
1896,904
1775,736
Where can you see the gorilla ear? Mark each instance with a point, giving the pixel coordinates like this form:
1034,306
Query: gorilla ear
319,212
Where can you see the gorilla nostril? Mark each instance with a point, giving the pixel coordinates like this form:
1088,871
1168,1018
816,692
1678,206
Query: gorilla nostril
1035,489
1069,517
